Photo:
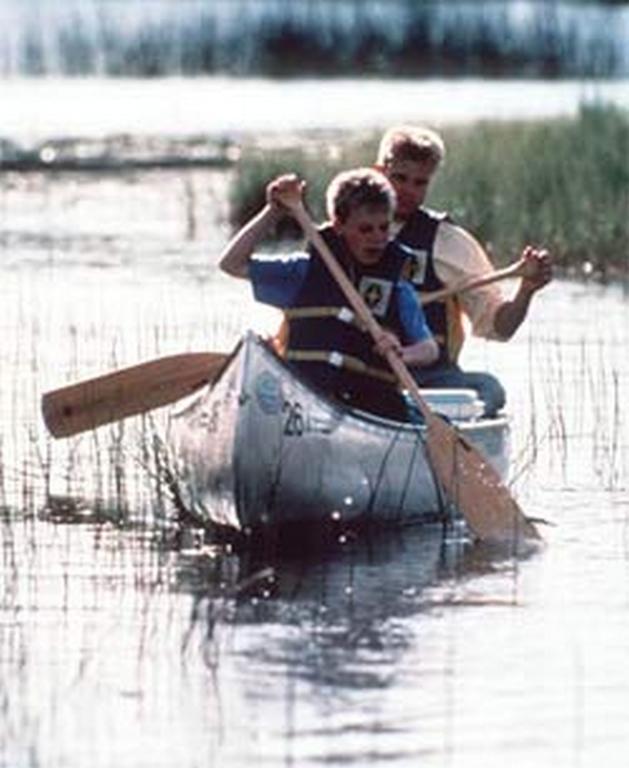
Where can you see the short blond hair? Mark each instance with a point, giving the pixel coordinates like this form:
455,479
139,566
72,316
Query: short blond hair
356,188
407,142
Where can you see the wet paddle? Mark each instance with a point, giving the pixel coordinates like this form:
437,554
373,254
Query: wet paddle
128,392
467,478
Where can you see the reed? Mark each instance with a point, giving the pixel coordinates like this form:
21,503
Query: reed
576,438
561,183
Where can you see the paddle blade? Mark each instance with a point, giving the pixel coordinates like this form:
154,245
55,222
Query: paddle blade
474,487
128,392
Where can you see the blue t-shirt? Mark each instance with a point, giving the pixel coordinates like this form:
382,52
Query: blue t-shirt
277,281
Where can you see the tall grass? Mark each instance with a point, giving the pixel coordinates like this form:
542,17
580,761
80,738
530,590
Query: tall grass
561,183
301,37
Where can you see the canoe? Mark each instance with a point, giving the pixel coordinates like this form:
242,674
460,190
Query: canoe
260,447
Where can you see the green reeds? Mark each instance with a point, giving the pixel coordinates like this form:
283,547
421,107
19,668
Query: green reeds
559,183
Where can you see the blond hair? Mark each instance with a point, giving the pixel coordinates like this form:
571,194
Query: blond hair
407,142
356,188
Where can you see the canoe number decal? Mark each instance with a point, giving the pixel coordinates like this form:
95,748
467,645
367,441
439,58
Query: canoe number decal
271,401
268,392
293,419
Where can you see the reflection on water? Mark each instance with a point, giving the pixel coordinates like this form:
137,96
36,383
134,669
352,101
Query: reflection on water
115,648
123,646
118,649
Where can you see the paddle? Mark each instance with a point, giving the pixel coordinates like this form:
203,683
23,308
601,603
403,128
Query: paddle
520,268
132,391
128,392
467,478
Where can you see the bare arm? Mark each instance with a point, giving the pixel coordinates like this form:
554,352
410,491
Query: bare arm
236,254
510,314
419,354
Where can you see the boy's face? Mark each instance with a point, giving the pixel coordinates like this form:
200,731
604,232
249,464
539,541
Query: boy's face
410,179
366,232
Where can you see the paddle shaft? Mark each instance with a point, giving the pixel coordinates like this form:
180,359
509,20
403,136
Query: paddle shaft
519,268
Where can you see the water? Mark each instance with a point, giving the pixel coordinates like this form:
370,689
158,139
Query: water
128,647
44,120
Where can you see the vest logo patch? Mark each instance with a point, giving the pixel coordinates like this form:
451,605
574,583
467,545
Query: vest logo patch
376,293
418,264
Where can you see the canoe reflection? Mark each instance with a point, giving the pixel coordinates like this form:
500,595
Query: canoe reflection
315,606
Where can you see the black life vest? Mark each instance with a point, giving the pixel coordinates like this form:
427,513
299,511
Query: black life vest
323,327
417,237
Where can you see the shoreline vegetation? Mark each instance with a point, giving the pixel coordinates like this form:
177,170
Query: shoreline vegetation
297,38
560,183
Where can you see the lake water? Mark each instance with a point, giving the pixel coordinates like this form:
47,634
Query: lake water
40,109
126,647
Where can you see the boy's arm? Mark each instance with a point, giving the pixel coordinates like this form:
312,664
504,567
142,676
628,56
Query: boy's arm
420,348
236,255
418,354
511,314
458,255
421,353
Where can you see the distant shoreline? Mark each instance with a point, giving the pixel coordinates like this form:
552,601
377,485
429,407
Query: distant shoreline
238,110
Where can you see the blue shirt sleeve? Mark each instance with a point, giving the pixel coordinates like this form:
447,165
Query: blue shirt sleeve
277,281
412,315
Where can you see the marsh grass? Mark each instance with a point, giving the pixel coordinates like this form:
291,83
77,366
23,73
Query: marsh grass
574,427
563,184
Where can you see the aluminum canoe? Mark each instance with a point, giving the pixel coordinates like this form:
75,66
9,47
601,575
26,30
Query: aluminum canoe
260,447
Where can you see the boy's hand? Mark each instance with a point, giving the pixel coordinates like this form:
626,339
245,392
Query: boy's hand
388,342
539,268
285,192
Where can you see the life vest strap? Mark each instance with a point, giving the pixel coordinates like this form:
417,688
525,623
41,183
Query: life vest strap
344,314
339,360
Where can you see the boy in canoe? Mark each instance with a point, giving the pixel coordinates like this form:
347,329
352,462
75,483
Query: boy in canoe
325,341
444,255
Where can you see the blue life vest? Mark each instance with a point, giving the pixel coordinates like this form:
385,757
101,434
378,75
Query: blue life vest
321,320
417,237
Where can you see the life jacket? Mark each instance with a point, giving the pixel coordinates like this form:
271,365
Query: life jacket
444,318
321,325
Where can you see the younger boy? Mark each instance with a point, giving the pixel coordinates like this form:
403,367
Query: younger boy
325,341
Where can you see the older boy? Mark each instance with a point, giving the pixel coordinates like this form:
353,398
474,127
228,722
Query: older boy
444,255
325,341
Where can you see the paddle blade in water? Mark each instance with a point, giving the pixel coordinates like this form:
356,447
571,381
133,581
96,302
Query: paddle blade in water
474,487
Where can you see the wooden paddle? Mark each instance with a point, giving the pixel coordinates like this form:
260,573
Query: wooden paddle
467,478
128,392
520,268
141,388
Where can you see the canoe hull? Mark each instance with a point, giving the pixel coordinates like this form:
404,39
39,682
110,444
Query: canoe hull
261,448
